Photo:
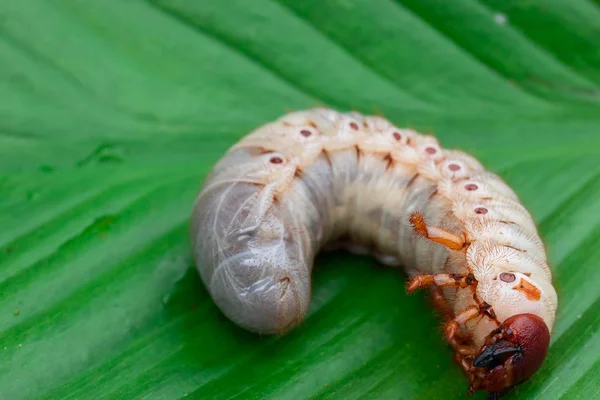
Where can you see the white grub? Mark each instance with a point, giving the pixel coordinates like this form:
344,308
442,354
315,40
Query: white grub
317,177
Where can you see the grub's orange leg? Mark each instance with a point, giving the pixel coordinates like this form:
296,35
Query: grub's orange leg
435,234
453,331
452,280
474,311
453,326
456,341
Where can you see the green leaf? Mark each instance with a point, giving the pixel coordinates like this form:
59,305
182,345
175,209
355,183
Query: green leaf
113,111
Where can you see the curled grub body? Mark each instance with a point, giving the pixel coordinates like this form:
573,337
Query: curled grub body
318,177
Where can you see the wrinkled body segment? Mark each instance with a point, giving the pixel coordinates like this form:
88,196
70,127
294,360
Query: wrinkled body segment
320,178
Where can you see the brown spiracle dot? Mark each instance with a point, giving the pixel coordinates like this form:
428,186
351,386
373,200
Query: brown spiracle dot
453,167
430,150
276,160
354,125
507,277
471,186
397,136
481,210
305,132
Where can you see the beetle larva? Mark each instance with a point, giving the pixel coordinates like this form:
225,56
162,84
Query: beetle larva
318,177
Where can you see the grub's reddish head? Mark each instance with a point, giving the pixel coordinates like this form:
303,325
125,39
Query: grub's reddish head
512,353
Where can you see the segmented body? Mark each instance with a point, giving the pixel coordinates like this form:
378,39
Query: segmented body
320,177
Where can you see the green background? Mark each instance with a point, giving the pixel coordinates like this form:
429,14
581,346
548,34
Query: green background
113,111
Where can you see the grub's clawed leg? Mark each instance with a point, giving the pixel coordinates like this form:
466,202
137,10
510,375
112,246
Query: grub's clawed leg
464,350
453,332
471,312
465,353
435,234
474,311
452,280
